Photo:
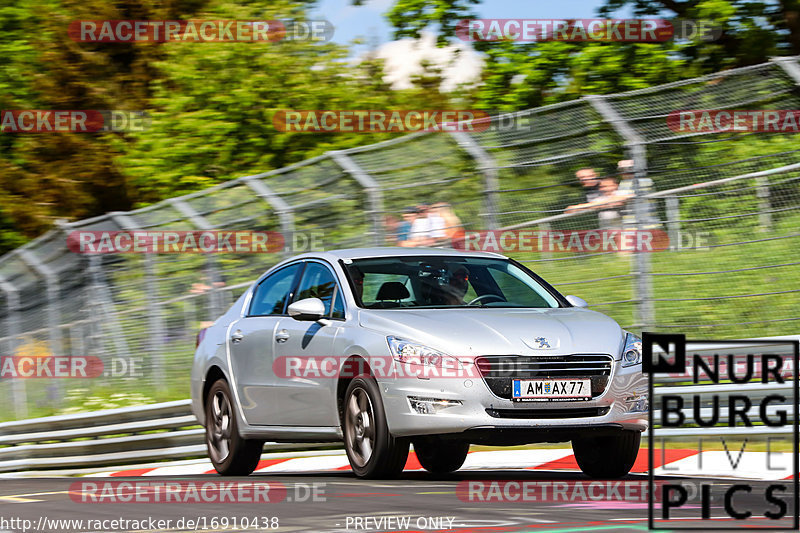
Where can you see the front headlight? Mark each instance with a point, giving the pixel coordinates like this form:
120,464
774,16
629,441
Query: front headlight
632,353
405,351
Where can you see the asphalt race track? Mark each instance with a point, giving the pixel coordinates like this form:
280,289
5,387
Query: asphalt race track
430,503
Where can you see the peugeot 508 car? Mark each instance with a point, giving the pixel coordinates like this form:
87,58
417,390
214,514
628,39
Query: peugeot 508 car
384,348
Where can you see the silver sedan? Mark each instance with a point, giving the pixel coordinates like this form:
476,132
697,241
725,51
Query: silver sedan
386,347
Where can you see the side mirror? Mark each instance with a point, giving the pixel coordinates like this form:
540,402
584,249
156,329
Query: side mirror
308,309
574,300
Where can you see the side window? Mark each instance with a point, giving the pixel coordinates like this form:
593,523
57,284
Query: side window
272,293
319,282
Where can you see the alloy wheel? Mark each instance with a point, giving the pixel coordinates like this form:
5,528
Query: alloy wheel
360,426
219,429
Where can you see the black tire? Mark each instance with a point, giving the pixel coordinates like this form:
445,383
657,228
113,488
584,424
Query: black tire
372,451
440,456
230,454
607,456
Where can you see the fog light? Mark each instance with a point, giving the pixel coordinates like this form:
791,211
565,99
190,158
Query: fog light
638,403
430,406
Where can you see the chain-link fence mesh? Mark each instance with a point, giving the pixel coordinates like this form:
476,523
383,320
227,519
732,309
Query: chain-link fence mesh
729,204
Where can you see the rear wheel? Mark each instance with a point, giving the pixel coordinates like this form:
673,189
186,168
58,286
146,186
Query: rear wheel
607,456
440,456
230,454
372,451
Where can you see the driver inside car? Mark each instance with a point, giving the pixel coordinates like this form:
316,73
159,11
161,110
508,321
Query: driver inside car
442,287
457,287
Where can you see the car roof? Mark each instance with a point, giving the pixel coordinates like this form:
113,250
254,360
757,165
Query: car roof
394,251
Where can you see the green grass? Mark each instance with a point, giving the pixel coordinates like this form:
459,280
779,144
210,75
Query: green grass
705,309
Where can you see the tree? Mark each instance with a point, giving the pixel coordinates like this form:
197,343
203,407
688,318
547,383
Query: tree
46,176
521,75
213,109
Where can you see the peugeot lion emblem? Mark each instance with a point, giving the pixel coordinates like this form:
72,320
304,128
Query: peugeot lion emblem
542,342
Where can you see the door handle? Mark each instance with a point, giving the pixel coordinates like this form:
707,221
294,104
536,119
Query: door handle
282,336
236,336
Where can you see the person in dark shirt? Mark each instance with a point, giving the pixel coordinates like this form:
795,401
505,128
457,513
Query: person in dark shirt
591,187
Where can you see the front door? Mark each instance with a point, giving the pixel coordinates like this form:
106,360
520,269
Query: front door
251,342
308,397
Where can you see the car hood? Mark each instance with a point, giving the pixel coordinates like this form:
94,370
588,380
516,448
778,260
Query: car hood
482,331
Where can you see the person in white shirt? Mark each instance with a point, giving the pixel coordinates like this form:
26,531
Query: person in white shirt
427,228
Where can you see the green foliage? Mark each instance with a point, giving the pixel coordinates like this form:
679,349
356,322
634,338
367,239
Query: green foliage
522,75
410,17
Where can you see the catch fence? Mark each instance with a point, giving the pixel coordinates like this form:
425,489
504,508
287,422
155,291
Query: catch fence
729,202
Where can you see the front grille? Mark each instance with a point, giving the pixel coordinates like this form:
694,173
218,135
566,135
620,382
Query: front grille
579,412
498,371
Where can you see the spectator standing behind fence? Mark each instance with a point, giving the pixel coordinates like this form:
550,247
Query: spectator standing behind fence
453,230
391,226
591,187
590,183
610,203
404,227
427,228
607,203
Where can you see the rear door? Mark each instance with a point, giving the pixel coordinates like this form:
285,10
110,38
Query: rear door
251,341
307,397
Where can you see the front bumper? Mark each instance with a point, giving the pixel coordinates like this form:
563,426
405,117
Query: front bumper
480,412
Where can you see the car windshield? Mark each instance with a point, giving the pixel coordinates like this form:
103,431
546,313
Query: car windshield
444,282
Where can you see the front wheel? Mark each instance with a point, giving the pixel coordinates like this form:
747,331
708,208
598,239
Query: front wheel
230,454
372,451
440,456
607,456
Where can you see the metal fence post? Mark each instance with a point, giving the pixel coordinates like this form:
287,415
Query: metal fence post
488,168
546,228
789,65
371,188
644,280
53,291
106,305
211,268
19,399
282,209
762,192
635,144
672,207
155,315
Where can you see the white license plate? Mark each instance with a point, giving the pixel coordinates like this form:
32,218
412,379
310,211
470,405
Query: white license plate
523,389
